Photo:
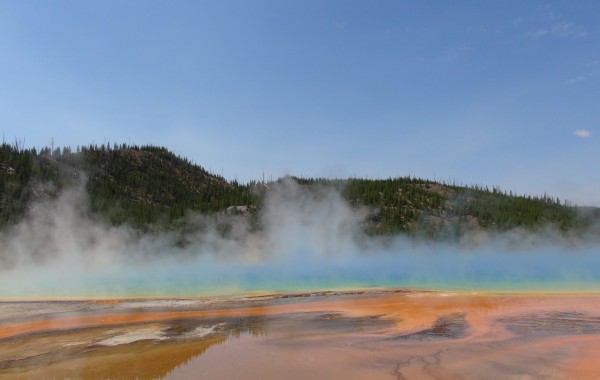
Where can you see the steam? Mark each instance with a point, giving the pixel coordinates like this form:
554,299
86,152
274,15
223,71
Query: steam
309,239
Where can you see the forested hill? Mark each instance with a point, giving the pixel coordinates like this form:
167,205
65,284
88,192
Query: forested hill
150,186
126,184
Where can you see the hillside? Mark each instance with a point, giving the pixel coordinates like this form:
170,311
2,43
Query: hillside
147,186
126,184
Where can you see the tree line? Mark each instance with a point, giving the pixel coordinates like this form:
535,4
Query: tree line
150,187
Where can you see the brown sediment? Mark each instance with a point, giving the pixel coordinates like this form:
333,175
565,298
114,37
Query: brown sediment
452,326
554,323
398,335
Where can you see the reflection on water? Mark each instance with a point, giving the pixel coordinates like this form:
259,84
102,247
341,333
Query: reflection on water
144,360
189,369
136,351
186,368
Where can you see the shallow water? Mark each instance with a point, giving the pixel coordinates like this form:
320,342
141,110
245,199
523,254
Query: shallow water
424,267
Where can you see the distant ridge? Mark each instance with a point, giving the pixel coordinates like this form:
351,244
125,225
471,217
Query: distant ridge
149,187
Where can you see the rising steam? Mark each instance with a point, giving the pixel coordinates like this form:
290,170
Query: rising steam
309,239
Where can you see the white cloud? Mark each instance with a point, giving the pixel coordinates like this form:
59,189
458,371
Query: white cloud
547,12
540,32
518,21
577,79
561,29
583,133
568,29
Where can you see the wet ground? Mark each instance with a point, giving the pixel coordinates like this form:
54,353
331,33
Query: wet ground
326,335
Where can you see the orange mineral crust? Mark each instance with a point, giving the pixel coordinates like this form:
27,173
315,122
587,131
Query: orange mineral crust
345,335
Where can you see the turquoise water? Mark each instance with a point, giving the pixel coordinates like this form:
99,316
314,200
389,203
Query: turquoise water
425,267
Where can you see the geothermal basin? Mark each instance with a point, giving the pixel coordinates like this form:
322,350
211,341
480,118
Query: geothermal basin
346,334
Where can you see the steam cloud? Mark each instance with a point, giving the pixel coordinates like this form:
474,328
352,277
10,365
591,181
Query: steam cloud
308,239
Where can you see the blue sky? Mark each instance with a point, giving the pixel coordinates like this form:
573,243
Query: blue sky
502,93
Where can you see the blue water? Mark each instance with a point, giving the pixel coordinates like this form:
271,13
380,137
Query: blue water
426,267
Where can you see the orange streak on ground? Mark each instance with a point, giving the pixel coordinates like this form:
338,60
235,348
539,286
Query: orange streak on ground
489,348
410,312
63,323
586,365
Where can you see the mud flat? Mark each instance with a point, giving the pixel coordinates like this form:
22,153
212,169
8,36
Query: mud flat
376,334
